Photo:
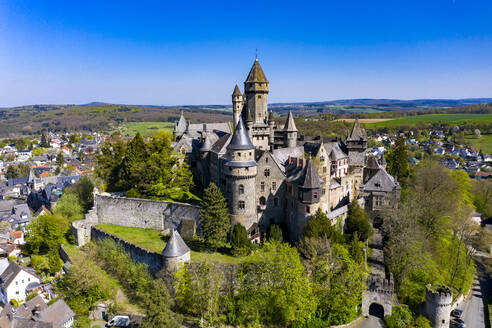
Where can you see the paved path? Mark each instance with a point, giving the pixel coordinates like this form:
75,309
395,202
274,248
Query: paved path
371,322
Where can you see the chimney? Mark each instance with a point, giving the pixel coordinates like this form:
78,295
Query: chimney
36,311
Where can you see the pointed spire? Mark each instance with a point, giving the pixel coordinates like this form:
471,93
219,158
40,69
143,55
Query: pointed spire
207,144
30,177
256,73
181,126
240,139
290,125
311,177
383,160
357,132
270,117
236,92
249,118
175,246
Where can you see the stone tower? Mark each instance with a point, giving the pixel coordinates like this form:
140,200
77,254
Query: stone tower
237,104
175,252
356,146
438,301
271,127
240,172
290,132
256,89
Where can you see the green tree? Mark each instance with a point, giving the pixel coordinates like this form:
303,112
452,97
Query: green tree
275,233
135,155
241,245
45,143
17,171
320,226
69,207
214,217
401,317
84,189
358,221
46,233
398,160
60,159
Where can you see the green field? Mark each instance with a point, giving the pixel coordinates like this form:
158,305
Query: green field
434,118
484,143
151,240
145,128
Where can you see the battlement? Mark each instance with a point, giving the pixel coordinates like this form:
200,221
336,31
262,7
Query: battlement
439,294
380,285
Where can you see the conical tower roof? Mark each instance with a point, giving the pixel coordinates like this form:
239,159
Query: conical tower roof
256,73
237,92
290,125
207,144
175,246
240,139
383,160
357,132
30,177
181,125
311,177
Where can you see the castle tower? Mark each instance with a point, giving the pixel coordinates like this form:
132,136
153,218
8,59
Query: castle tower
206,146
438,301
237,104
240,172
180,127
383,161
175,252
356,145
271,127
256,89
290,132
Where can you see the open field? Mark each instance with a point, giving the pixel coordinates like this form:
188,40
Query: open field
145,128
450,119
484,143
152,240
365,120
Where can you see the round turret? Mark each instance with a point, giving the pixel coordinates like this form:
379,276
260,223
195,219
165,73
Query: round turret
175,252
438,301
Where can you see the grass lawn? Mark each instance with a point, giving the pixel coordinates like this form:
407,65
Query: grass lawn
152,240
145,128
434,118
484,143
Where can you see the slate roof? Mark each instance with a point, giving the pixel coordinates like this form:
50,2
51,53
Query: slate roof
283,154
382,159
210,139
4,264
290,125
17,181
311,177
372,163
181,125
357,132
381,181
240,139
175,246
21,213
220,145
58,313
25,310
334,150
237,92
312,148
256,73
9,274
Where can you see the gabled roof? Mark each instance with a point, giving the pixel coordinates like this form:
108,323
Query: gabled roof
8,276
312,148
237,92
256,73
175,246
181,125
220,145
381,181
382,160
290,125
357,132
372,163
58,313
240,139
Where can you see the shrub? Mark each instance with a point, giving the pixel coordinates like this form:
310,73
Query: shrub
401,317
275,233
14,302
30,296
239,240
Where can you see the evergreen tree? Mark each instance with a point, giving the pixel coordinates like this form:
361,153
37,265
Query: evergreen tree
398,160
135,154
60,159
275,233
215,221
45,143
241,244
320,226
358,222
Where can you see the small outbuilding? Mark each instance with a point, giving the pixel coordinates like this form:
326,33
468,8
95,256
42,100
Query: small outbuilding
175,252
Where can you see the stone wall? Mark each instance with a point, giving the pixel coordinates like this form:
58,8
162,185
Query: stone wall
143,213
138,254
438,305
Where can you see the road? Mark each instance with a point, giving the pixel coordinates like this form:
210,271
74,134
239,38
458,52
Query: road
473,308
371,322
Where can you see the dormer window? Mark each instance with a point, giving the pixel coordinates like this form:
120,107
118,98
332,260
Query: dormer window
267,172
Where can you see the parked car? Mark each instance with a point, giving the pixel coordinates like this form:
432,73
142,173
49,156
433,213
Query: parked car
458,322
119,321
457,313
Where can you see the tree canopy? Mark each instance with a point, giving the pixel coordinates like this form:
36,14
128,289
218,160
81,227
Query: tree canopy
214,217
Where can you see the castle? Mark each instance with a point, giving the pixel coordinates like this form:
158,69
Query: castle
269,176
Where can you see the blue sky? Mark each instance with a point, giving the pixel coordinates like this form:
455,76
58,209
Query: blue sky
187,52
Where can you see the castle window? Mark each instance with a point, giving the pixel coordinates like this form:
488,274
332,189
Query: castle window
262,186
266,159
308,209
238,154
241,189
259,96
267,172
274,185
241,205
275,201
324,169
250,153
262,201
315,195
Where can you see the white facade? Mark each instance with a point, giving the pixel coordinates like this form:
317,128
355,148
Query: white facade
17,287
